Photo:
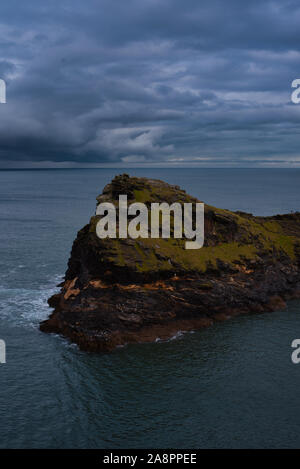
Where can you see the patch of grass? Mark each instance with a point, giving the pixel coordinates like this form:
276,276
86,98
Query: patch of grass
252,237
142,195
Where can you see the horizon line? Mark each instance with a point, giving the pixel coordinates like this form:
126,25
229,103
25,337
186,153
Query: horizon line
146,167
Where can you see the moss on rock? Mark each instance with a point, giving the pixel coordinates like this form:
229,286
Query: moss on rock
231,238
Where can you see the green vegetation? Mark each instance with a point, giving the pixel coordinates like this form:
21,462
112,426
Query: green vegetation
232,238
142,195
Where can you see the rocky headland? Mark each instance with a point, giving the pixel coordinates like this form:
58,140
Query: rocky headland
119,291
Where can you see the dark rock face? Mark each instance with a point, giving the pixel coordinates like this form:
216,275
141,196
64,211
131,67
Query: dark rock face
118,291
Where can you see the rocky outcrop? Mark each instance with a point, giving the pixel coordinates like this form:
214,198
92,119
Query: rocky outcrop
119,291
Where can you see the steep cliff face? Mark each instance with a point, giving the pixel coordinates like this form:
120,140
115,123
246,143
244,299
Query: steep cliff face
118,291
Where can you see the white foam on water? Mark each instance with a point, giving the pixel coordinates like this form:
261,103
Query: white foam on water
176,336
180,334
27,307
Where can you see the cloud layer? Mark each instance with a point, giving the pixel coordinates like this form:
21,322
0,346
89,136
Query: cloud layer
144,82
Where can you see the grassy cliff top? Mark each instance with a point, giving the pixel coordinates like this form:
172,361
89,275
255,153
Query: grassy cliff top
233,240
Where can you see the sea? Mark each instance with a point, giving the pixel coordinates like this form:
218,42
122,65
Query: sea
232,385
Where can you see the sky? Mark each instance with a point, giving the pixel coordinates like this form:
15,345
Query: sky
149,83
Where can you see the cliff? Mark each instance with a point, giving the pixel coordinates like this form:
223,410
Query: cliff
119,291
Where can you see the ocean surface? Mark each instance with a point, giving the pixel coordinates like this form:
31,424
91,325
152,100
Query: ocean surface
229,386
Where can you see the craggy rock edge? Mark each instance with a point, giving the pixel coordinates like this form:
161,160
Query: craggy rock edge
126,291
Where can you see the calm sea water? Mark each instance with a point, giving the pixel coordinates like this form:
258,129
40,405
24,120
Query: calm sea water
231,386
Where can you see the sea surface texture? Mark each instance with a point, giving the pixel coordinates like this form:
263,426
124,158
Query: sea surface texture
230,386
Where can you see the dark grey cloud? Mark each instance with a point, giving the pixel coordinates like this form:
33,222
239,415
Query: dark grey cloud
149,82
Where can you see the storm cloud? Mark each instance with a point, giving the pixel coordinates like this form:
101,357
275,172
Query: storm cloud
149,82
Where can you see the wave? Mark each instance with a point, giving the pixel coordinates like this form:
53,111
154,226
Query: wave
27,307
176,336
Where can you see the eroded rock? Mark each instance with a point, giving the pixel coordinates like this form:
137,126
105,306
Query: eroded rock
121,291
